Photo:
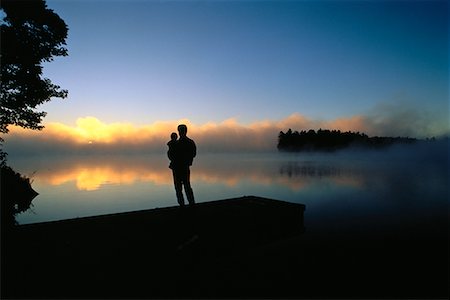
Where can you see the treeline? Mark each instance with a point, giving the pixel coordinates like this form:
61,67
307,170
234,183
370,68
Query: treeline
330,140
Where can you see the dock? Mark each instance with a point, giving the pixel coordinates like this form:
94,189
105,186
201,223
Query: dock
242,248
164,252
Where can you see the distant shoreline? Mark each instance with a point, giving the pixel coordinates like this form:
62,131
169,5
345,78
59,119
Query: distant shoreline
332,140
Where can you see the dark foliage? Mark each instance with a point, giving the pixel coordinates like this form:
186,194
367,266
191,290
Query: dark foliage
330,140
3,154
16,195
31,34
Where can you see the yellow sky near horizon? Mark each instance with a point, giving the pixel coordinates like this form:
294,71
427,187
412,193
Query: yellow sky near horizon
89,131
92,134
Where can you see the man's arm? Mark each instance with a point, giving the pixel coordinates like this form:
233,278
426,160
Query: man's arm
194,149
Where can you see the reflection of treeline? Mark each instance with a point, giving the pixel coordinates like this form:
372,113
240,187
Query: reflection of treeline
305,170
329,140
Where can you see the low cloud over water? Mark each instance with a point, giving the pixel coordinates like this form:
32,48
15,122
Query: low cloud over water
91,135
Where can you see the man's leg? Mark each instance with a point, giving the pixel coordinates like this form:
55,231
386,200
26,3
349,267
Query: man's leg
177,180
188,187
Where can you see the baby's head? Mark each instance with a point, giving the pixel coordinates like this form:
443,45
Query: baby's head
173,136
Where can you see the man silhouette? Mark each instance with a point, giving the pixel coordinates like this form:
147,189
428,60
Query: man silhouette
183,154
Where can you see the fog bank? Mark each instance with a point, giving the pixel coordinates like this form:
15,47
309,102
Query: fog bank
91,135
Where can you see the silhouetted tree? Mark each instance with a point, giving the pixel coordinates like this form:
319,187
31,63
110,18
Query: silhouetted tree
16,195
30,35
330,140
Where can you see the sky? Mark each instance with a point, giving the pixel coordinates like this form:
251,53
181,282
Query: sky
249,66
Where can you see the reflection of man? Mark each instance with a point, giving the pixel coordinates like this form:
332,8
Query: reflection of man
183,154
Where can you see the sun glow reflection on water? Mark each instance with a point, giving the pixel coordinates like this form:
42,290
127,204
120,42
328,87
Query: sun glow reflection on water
331,185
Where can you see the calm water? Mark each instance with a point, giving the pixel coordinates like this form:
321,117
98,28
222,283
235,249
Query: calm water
376,223
342,190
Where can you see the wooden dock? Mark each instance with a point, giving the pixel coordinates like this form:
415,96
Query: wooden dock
242,248
163,252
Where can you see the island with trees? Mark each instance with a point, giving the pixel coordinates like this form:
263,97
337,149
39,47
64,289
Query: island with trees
331,140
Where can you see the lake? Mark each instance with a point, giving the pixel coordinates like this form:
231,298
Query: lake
347,190
376,222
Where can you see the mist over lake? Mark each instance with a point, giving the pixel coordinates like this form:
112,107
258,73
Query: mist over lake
350,190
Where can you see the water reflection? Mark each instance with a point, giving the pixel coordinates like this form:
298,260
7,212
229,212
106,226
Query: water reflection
88,185
92,177
93,173
296,169
293,173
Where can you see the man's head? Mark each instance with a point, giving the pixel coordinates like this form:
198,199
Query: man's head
182,130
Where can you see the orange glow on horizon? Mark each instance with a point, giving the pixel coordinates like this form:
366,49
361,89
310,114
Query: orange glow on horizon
91,134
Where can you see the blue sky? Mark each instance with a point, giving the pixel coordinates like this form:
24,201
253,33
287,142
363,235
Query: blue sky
208,61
